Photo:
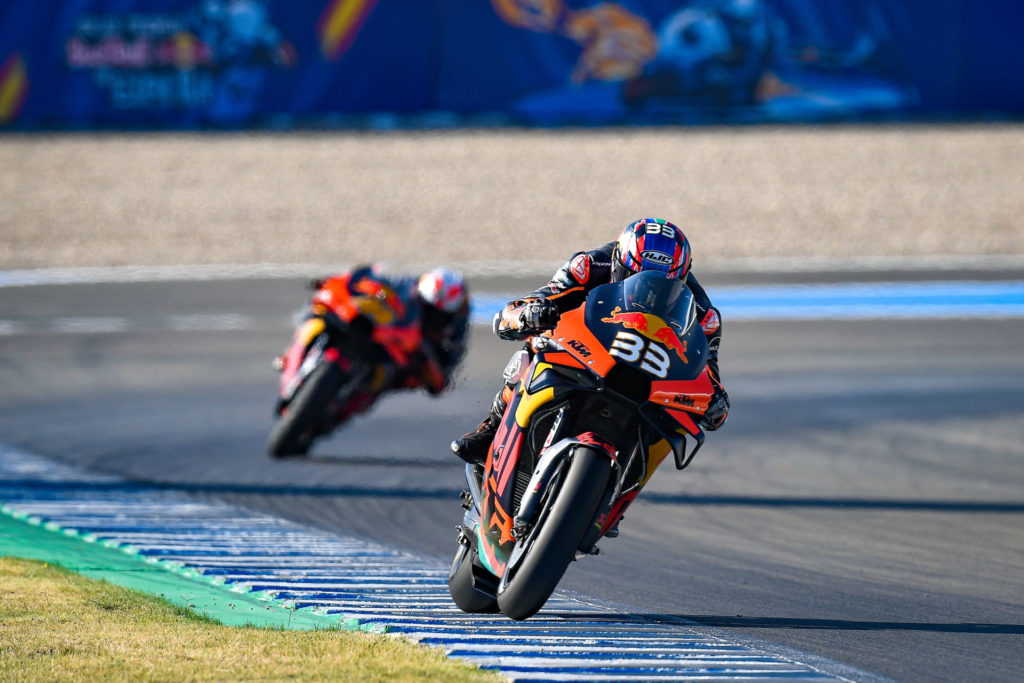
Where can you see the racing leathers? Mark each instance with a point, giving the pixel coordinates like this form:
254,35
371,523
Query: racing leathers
568,289
444,345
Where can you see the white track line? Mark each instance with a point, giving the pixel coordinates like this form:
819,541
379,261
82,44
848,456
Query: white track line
529,269
385,588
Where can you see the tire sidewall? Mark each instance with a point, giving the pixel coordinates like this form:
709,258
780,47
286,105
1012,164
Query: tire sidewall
571,514
306,406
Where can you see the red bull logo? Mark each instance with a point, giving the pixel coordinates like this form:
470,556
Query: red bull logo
650,326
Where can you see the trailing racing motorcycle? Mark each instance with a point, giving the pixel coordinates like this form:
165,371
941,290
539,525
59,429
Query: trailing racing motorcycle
600,402
360,331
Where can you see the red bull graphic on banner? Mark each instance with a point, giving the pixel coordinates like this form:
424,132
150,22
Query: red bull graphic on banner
731,59
539,15
650,326
211,56
13,88
614,42
143,64
340,23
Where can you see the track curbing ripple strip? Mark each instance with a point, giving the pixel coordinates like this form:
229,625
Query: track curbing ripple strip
350,583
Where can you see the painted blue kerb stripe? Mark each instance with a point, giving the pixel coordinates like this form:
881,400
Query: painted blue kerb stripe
861,300
394,590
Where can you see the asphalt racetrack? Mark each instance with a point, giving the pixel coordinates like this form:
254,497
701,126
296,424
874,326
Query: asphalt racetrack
865,502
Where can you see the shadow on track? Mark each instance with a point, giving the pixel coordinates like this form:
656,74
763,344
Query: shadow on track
740,622
9,490
371,461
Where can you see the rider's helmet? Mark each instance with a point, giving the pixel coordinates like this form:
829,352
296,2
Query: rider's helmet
443,289
651,244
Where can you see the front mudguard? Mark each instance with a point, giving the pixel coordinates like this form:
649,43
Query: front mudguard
554,459
551,460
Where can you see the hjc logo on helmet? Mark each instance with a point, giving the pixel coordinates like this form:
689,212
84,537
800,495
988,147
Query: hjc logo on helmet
658,257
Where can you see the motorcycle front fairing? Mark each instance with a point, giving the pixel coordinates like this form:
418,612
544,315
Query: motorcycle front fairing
636,348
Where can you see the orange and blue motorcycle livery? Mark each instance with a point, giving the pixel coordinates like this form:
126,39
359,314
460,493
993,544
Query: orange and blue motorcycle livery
361,336
600,402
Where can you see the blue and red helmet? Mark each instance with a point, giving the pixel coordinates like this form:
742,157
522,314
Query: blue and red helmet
651,244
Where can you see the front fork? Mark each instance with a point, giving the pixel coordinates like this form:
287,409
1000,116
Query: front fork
554,459
308,344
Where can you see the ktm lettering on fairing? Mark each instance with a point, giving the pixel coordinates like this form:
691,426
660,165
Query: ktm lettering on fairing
650,326
579,347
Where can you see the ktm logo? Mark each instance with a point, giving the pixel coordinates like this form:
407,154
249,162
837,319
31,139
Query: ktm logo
580,347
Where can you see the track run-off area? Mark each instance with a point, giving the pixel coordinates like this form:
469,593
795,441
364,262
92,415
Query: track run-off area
382,589
858,518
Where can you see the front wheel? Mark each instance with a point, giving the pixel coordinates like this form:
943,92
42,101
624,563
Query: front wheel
302,420
562,528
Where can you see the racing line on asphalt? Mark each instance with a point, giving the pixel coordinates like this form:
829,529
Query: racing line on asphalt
385,589
392,591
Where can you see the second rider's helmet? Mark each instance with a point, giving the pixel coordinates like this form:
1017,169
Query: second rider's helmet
443,289
651,244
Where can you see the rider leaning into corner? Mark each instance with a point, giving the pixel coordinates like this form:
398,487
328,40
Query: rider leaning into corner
647,244
441,305
444,322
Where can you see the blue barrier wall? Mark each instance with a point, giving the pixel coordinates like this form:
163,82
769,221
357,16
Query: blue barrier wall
230,63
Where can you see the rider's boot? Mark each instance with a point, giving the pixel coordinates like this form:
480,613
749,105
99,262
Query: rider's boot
473,447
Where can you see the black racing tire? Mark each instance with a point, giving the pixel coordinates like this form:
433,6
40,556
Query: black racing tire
460,585
298,426
569,518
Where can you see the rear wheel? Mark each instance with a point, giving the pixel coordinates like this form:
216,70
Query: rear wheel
303,419
561,529
460,584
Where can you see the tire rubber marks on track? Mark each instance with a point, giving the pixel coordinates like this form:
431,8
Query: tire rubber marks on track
384,588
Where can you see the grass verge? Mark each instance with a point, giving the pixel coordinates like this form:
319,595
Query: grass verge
56,625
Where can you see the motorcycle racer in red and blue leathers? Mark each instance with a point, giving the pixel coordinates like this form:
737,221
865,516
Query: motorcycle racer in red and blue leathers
646,244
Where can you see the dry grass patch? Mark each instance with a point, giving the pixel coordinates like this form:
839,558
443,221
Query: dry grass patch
56,625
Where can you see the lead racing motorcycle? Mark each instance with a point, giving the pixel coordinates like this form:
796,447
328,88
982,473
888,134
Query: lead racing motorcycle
619,384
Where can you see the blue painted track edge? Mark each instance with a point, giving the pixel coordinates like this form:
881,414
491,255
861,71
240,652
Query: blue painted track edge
584,612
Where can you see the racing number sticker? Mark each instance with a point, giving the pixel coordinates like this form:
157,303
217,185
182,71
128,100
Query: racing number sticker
659,229
630,347
627,346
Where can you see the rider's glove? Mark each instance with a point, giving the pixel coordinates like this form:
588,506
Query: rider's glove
537,316
718,410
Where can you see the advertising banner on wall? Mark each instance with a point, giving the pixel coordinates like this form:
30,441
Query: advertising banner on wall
236,63
731,60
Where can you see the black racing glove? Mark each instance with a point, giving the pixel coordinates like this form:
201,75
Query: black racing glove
537,316
718,410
